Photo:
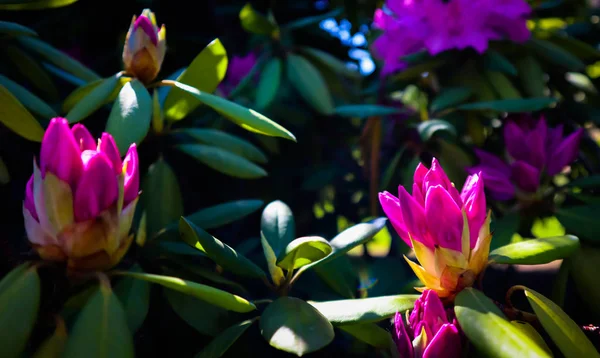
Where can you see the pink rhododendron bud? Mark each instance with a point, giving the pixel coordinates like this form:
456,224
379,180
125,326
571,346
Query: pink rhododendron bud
71,205
238,68
449,231
145,47
429,332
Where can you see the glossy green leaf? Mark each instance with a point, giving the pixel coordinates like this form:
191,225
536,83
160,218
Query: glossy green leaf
339,275
432,127
529,331
206,293
28,99
161,197
204,73
511,105
309,83
255,22
496,61
219,252
364,310
268,84
303,251
277,275
556,55
333,63
305,21
371,334
366,110
101,329
16,117
223,214
14,29
58,58
80,92
31,69
135,297
547,227
531,75
278,226
223,161
93,100
35,4
567,334
292,325
19,304
536,251
54,346
218,346
581,220
450,97
488,329
230,143
244,117
130,117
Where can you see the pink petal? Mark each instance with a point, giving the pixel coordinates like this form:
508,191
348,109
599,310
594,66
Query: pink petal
444,218
445,344
515,141
147,27
536,141
527,177
434,313
420,173
98,188
498,184
60,153
413,217
83,137
475,206
132,175
109,148
491,161
402,339
565,153
391,207
437,176
29,200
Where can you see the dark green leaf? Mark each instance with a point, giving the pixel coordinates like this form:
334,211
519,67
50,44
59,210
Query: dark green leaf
256,22
531,75
223,214
129,119
339,275
33,71
101,329
218,346
269,83
450,97
590,182
366,110
28,99
135,297
511,105
503,230
583,268
496,61
556,55
218,251
333,63
16,117
564,331
303,251
228,142
364,310
223,161
278,226
430,128
305,21
204,73
94,99
371,334
294,326
581,220
488,330
536,251
309,83
54,346
14,29
34,4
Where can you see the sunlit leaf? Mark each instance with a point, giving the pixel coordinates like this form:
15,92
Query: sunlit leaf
16,117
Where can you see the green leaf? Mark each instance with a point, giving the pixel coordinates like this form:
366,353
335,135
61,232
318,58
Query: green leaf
496,61
547,227
223,214
333,63
101,329
309,83
303,251
268,85
294,326
339,275
581,220
450,97
531,75
54,346
371,334
223,161
14,116
130,117
218,346
58,58
35,4
305,21
244,117
135,297
94,99
567,335
19,304
511,105
536,251
503,230
206,293
583,269
528,330
277,225
28,99
255,22
366,110
226,141
33,71
204,73
431,127
277,275
488,330
591,182
221,253
556,55
161,197
12,28
364,310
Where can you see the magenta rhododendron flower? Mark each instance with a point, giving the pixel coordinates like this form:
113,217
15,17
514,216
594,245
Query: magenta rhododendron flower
534,150
145,47
238,68
439,25
80,200
429,332
449,231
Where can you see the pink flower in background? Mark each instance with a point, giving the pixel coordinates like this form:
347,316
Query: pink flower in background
238,68
429,332
80,200
439,25
533,150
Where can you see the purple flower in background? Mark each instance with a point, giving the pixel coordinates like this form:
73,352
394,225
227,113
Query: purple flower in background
238,68
439,25
430,331
533,150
